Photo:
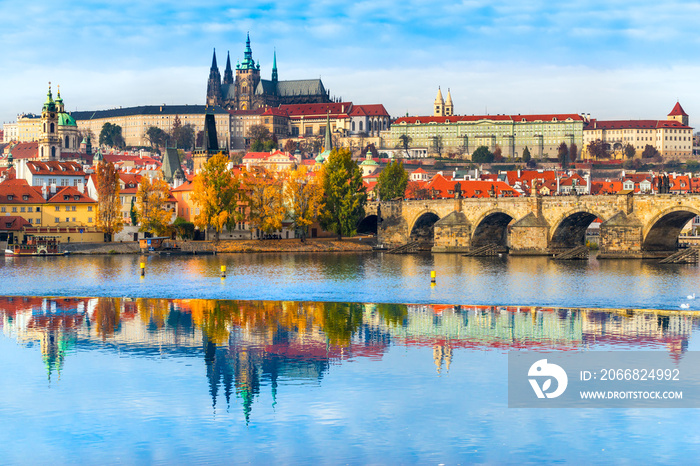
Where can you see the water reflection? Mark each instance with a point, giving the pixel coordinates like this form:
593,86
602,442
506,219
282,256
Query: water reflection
250,346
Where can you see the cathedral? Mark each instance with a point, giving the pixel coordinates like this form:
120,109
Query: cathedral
248,92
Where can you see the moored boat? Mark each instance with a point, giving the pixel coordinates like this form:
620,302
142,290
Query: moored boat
35,247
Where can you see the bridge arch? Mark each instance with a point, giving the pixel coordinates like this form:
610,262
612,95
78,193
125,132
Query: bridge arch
423,226
368,224
569,230
662,231
492,228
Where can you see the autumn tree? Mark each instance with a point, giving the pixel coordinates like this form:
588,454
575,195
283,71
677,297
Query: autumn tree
263,190
261,139
151,198
392,181
109,215
498,154
596,149
573,152
303,194
563,155
216,193
417,190
290,146
405,141
629,150
345,196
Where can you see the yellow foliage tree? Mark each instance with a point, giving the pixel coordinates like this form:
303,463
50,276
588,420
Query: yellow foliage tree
109,215
217,192
303,194
264,195
151,199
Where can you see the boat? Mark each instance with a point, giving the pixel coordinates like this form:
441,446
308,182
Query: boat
35,247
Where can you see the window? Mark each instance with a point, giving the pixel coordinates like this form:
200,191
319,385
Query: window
73,219
2,209
73,208
67,208
31,220
67,219
38,209
10,197
37,221
21,209
57,220
14,209
25,197
89,219
89,208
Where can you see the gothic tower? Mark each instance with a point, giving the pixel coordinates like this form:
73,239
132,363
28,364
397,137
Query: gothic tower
247,79
49,143
449,108
228,73
214,84
678,114
439,105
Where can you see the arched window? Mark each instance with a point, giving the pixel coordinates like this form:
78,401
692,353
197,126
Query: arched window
53,151
66,142
44,127
353,126
360,126
41,152
51,129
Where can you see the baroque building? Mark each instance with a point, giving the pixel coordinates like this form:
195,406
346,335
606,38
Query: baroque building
247,91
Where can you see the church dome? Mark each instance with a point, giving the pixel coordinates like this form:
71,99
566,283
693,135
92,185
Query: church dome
65,119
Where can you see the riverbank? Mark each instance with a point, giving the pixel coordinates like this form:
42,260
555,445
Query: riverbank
357,244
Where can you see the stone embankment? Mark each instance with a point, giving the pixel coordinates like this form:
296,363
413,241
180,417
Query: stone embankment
231,246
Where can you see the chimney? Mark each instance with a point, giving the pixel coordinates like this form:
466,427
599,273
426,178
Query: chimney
53,188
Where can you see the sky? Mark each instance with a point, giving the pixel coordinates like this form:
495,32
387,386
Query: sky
614,59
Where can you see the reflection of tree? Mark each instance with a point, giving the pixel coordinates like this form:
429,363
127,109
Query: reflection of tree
107,316
393,314
340,321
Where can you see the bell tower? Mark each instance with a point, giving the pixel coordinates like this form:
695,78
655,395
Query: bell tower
247,79
439,104
449,108
49,143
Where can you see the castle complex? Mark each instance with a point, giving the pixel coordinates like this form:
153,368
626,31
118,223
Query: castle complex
249,92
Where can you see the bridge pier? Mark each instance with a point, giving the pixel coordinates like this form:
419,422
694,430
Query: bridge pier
529,236
621,237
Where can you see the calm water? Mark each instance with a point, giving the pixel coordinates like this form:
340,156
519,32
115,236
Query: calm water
312,359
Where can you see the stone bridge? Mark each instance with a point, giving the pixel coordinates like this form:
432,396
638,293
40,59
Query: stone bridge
633,226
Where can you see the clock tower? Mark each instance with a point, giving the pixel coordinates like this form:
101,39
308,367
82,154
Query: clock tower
49,142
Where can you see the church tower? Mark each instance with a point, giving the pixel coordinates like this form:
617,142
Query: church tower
449,108
228,72
214,84
275,78
49,143
247,79
439,105
678,114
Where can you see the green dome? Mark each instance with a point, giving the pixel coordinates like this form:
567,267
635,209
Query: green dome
66,120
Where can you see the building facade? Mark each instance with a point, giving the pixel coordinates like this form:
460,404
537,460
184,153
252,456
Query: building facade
135,121
672,138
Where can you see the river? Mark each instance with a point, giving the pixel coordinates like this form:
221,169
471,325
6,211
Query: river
333,359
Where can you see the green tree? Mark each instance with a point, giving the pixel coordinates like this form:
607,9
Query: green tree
629,150
216,193
526,155
563,155
482,154
392,181
156,136
405,141
132,212
182,135
649,152
184,229
438,145
111,135
343,206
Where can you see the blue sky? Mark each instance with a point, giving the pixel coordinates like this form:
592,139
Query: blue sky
612,59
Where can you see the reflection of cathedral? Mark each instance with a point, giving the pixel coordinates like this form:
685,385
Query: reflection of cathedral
248,91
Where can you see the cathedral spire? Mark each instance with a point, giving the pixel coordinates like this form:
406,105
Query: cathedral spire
248,62
274,66
228,73
214,66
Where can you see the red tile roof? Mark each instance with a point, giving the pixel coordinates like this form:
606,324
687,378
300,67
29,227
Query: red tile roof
184,187
318,110
19,192
473,118
470,188
677,110
634,124
70,195
369,110
13,223
276,112
55,168
25,150
257,111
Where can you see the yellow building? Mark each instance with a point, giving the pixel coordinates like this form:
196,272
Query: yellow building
672,138
26,129
70,208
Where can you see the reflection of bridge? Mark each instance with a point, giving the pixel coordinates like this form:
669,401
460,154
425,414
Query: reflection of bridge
634,226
